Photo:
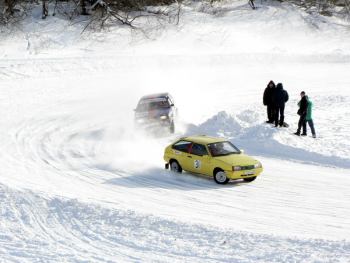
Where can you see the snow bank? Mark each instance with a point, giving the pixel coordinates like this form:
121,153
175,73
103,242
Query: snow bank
274,31
247,130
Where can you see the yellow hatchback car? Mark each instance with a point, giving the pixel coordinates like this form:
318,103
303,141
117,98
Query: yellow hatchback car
211,156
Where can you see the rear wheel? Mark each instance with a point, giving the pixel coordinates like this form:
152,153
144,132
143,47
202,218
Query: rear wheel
175,166
250,179
220,177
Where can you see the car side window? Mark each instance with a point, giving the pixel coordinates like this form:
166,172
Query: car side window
171,102
182,146
198,149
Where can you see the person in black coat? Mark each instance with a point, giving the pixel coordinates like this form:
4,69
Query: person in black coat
302,112
268,99
280,99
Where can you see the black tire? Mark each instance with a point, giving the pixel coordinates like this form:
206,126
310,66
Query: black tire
175,167
250,179
172,127
220,177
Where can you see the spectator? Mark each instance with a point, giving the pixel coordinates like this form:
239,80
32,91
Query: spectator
280,99
309,117
302,111
268,100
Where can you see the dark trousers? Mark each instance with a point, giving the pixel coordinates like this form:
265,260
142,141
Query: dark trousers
270,113
279,115
302,124
311,124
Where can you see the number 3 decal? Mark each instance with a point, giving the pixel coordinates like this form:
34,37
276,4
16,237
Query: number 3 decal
197,164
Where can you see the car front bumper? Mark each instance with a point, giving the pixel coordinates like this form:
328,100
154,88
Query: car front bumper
244,173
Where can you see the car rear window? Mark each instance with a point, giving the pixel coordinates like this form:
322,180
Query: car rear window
182,146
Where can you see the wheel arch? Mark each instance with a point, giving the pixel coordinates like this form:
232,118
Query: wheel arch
172,160
216,169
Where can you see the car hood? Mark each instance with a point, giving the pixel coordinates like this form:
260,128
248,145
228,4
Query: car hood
237,159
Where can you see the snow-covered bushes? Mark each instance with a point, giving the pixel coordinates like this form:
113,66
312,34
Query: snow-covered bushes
122,11
127,11
11,11
325,7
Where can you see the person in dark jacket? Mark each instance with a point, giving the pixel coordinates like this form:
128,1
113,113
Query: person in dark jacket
280,99
302,112
308,117
268,100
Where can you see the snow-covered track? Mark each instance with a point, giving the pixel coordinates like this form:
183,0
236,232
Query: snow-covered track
34,227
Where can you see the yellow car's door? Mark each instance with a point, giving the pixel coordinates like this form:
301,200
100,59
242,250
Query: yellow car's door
198,160
180,153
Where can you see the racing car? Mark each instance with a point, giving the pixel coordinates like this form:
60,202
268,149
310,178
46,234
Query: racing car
156,111
211,156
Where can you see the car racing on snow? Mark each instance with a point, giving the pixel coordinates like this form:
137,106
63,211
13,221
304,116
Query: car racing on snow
156,112
211,156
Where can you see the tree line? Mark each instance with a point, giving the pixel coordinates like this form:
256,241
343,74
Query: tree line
101,11
128,11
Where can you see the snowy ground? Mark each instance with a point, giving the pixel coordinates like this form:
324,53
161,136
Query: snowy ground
79,184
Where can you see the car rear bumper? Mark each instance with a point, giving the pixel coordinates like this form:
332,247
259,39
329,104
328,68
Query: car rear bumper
152,123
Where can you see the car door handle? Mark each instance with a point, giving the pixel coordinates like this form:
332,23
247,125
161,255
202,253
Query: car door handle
189,156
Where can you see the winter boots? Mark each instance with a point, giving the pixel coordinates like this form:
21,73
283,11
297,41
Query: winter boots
304,134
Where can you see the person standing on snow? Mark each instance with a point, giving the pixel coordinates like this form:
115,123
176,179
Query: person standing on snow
280,99
302,112
308,117
268,100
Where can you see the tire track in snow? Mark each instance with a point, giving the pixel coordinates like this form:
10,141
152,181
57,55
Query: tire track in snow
34,228
74,157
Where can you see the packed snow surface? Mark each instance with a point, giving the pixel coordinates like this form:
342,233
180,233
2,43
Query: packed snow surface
78,183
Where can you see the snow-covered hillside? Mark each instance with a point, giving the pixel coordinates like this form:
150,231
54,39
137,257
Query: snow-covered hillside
79,184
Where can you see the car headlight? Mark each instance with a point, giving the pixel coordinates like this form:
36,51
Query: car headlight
257,165
236,168
140,120
164,117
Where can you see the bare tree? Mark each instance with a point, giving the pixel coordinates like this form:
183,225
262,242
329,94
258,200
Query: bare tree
9,6
45,9
127,12
12,11
83,8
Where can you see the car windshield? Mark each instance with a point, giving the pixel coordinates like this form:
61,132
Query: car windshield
153,104
222,148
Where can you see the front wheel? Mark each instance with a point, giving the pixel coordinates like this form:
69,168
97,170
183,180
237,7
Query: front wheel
250,179
175,167
220,177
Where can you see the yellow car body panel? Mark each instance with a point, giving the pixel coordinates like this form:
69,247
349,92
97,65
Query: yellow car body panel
207,164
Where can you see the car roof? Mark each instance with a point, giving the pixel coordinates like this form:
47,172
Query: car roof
156,95
203,139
